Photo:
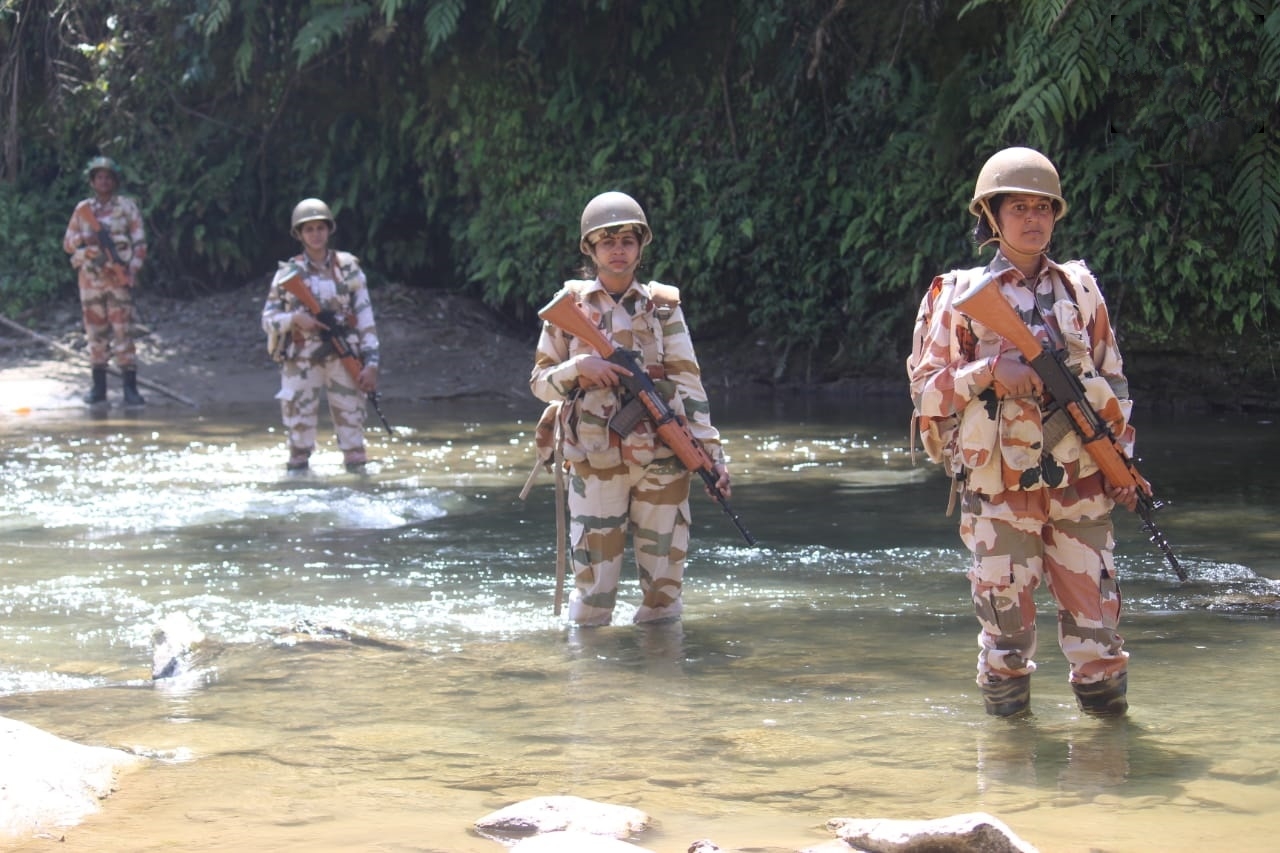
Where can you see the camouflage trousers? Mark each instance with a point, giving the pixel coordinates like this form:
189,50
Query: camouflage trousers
301,382
1064,537
108,322
652,503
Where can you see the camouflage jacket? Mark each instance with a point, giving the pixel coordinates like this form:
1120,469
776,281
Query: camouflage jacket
999,443
122,219
646,320
338,286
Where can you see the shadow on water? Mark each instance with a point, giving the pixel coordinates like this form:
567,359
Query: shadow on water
373,662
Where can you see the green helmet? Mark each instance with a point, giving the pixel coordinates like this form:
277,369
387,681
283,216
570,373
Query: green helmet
309,210
1017,170
613,209
102,163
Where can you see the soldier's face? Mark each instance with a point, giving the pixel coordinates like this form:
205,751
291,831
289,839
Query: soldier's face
1026,223
315,234
617,255
103,182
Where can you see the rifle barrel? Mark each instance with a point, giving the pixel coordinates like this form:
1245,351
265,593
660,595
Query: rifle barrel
1146,508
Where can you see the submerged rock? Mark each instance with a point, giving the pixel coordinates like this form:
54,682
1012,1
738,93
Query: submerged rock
176,643
561,815
181,653
975,832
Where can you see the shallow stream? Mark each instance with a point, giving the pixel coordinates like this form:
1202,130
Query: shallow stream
382,666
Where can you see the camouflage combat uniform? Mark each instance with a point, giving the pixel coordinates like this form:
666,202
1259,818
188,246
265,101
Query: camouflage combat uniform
625,483
1033,506
106,302
308,363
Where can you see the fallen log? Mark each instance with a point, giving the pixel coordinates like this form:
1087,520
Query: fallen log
66,350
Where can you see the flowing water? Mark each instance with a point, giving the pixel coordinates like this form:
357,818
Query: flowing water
382,667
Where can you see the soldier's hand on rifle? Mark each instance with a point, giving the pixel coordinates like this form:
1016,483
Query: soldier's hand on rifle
367,381
722,481
1127,496
594,371
303,321
1014,377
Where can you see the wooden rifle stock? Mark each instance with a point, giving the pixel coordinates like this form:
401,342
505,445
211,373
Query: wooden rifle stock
987,305
115,270
353,365
563,313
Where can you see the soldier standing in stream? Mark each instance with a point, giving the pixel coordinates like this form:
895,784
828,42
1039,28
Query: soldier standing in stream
1034,507
107,245
624,484
302,342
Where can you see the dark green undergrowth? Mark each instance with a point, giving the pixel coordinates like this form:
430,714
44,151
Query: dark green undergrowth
805,164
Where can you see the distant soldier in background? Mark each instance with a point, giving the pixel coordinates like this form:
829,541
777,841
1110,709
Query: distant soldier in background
302,341
107,244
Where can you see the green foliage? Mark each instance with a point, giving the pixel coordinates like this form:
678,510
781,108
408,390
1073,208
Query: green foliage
805,163
326,28
33,269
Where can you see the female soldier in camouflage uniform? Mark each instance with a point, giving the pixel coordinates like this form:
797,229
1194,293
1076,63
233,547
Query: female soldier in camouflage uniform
1033,506
633,482
301,342
106,276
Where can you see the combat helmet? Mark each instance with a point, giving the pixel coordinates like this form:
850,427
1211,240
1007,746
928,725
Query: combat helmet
1017,170
611,209
101,162
309,210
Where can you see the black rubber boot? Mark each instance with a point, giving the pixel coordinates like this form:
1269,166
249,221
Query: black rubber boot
1007,697
131,395
1104,698
354,459
98,393
299,458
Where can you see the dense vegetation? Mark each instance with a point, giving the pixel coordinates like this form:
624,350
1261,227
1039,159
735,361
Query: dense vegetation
805,163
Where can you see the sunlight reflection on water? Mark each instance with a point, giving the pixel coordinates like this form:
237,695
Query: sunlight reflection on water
382,653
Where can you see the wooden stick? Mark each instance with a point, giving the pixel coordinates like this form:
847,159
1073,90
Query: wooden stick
156,386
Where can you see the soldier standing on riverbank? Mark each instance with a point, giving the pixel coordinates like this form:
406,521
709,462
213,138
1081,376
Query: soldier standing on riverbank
107,245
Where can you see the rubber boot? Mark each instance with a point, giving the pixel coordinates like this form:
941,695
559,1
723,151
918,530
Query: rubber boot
98,393
354,459
299,458
1104,698
1007,697
131,395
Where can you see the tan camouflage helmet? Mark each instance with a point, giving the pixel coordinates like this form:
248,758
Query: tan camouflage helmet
100,162
309,210
612,210
1017,170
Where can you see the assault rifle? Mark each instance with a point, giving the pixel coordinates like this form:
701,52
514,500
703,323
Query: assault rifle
985,304
334,333
564,313
116,271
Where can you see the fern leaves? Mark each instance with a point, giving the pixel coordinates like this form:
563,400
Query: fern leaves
326,27
1255,195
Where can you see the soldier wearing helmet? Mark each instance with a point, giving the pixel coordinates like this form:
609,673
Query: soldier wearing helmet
107,244
1034,508
303,342
622,478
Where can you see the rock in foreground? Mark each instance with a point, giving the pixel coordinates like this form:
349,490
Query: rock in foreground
975,832
47,783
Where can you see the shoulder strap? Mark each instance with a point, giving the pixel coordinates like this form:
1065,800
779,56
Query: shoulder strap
1082,288
665,295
